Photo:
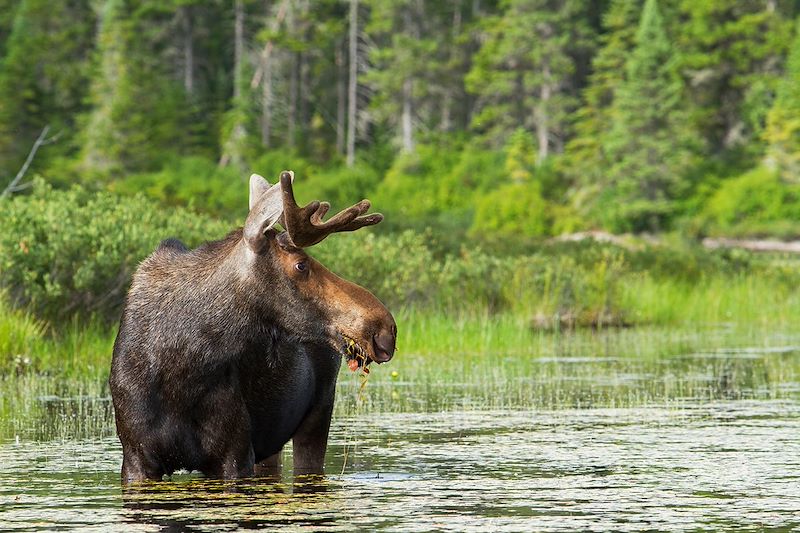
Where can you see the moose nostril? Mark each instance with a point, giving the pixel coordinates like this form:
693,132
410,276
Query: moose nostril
384,342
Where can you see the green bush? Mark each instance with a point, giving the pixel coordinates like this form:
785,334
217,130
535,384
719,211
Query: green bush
196,182
341,186
72,252
514,209
398,269
753,204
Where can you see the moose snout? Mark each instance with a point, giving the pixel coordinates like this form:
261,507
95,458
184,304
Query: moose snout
383,344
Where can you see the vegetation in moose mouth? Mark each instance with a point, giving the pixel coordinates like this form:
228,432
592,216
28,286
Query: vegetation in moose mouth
355,355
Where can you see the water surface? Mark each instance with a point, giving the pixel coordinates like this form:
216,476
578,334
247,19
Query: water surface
700,435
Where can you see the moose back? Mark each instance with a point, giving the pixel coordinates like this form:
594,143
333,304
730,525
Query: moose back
226,352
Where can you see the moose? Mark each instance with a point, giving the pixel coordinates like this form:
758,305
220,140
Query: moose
228,351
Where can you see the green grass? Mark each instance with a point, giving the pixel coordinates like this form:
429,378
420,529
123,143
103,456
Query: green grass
70,350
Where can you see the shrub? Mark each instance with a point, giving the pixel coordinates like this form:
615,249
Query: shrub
399,269
755,203
196,182
73,252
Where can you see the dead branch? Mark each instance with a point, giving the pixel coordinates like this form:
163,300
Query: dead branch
15,184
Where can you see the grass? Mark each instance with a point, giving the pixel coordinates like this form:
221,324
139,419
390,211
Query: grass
720,336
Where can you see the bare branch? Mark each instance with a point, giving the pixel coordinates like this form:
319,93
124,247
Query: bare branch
41,140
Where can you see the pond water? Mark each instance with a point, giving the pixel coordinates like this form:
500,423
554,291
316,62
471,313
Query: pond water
686,438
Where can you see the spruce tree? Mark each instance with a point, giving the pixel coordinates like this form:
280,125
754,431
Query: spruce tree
524,73
650,146
731,54
138,116
782,133
43,77
584,156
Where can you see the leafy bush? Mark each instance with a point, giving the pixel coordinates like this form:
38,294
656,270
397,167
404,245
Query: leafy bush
196,182
399,269
73,252
755,203
514,209
341,186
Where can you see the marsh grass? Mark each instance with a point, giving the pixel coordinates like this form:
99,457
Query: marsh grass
732,336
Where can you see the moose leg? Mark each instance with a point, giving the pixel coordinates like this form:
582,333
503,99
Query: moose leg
225,436
238,464
269,467
311,439
135,469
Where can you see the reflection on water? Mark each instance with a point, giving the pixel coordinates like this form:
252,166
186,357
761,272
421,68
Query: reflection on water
704,440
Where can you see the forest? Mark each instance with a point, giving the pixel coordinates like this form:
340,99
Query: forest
490,134
522,118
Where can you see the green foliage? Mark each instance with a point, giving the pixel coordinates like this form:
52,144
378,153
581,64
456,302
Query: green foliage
414,177
728,52
43,77
72,252
342,186
526,57
192,181
513,209
650,146
139,111
753,204
783,122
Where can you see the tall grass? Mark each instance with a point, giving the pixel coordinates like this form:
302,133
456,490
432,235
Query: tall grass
72,350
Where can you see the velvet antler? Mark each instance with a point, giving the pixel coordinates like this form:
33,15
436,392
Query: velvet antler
305,225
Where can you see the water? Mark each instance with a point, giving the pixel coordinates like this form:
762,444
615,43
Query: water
699,439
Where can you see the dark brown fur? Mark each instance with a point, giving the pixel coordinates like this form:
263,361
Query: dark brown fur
226,352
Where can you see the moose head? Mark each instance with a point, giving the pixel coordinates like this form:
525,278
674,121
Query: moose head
307,298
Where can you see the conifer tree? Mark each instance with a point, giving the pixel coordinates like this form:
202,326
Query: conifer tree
138,102
584,152
731,54
43,76
782,133
523,73
650,146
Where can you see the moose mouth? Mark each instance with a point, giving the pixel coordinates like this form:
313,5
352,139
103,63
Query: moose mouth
355,355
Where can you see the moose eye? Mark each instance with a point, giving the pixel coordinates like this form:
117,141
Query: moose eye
301,266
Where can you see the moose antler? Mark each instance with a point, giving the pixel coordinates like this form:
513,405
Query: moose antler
304,224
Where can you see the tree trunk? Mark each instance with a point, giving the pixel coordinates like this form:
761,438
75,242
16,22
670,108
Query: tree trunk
232,147
407,118
341,100
238,48
305,98
542,116
447,101
188,50
291,118
266,103
352,85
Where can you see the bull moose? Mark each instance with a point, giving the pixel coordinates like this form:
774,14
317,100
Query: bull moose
227,351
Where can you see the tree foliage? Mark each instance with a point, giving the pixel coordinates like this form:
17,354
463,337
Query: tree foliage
624,115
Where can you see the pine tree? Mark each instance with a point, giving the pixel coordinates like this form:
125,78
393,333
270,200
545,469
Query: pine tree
650,146
731,53
584,156
43,77
404,64
523,73
782,133
139,106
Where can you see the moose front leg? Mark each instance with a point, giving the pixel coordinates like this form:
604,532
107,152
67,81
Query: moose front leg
311,440
270,467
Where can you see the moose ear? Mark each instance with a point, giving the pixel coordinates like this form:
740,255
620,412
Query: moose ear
265,211
258,186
